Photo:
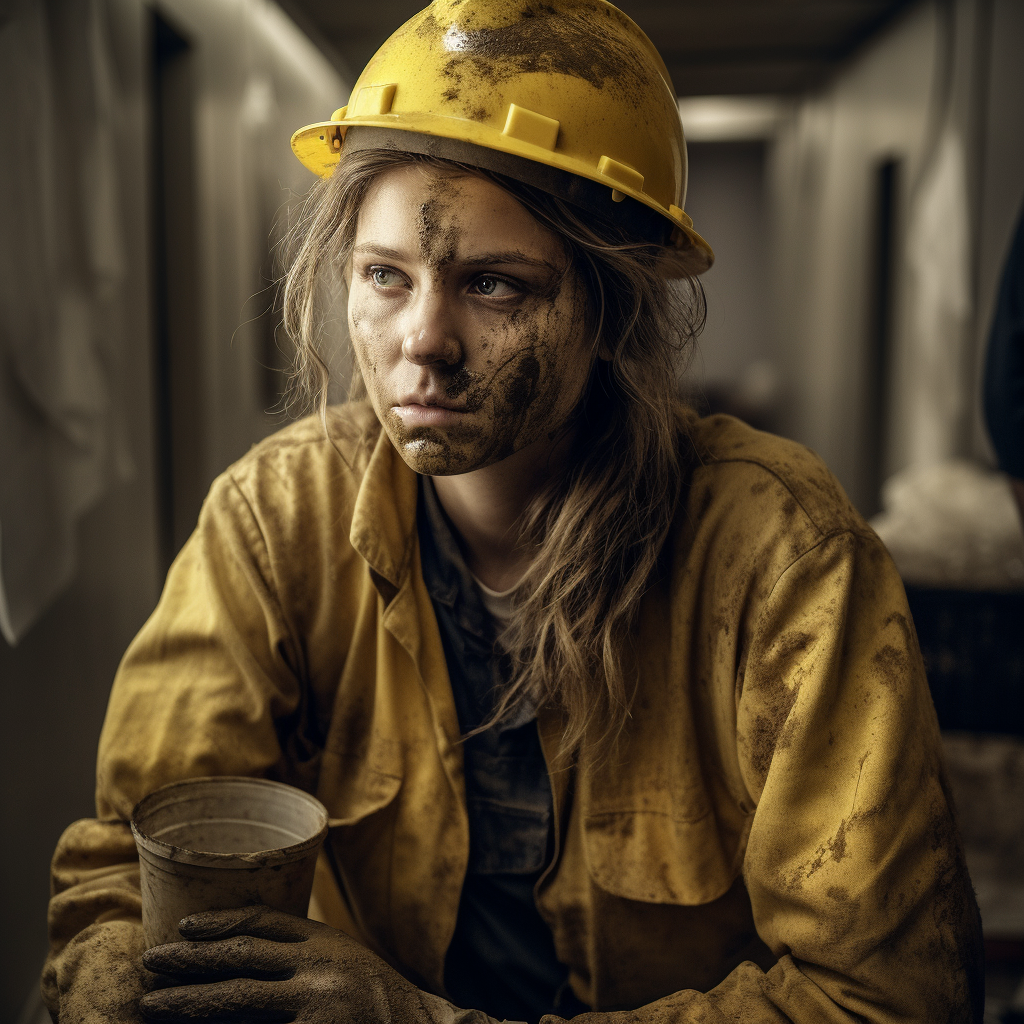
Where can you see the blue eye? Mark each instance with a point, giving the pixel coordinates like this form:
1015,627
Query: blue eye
382,277
493,286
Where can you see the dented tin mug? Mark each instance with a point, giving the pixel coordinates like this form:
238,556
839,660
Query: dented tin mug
224,842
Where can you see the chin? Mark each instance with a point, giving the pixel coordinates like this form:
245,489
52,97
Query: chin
433,454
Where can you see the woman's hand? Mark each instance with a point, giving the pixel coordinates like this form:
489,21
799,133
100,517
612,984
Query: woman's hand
105,963
258,964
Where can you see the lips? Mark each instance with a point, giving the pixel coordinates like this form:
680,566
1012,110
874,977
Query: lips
429,409
432,400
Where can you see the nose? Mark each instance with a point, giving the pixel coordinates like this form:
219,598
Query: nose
430,334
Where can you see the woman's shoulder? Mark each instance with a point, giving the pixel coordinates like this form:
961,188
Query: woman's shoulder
337,446
753,478
299,475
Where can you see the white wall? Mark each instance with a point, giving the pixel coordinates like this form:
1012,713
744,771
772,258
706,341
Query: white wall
258,79
821,188
889,102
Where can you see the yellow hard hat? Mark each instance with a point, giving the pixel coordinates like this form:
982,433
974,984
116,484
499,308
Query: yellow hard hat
569,95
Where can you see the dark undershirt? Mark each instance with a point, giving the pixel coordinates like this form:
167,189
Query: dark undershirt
502,956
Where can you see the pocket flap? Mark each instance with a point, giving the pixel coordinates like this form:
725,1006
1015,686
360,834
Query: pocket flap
652,858
351,790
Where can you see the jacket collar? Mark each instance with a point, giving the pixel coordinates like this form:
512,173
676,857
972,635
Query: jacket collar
384,533
384,517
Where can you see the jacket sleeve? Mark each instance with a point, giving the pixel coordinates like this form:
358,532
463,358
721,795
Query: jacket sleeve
853,864
202,690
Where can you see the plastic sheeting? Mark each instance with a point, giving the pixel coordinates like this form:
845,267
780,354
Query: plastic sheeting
953,525
61,273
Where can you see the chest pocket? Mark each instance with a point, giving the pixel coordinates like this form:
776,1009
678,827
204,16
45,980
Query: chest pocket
657,821
352,790
654,826
650,857
353,893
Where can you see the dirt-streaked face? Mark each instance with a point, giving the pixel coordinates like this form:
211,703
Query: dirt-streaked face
469,332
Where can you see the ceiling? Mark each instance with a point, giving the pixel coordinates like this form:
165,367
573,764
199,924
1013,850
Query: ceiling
711,47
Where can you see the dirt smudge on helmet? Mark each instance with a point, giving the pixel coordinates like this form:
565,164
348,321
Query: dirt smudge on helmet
542,40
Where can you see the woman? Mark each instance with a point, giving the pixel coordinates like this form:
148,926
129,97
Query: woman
613,709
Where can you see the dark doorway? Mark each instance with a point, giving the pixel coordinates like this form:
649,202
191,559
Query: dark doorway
178,380
879,347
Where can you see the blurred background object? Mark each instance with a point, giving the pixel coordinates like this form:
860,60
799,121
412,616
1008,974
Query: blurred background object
953,525
146,176
61,300
731,47
857,166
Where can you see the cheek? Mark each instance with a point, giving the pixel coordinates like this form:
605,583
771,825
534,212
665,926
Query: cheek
366,334
560,363
542,375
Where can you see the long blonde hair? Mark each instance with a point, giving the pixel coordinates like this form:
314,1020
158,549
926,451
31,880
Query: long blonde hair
598,529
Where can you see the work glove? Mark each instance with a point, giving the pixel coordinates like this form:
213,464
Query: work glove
258,964
104,961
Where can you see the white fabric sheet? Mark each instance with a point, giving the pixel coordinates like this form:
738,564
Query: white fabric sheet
61,273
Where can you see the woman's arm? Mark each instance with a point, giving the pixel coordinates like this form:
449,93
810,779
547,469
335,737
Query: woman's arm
853,864
201,690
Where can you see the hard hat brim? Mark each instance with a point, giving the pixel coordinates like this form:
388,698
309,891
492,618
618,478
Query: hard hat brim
319,147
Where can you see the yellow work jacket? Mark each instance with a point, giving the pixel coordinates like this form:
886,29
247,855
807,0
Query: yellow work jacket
770,840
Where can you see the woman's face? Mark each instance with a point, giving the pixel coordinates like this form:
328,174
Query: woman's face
468,330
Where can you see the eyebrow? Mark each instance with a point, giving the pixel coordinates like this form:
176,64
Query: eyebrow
513,257
508,257
368,249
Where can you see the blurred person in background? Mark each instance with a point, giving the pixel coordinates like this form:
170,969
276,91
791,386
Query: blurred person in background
616,711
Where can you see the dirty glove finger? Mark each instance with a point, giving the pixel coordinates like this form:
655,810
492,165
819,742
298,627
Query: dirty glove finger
151,982
239,1000
259,921
228,958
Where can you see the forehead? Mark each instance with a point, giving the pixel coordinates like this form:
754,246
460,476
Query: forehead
422,208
